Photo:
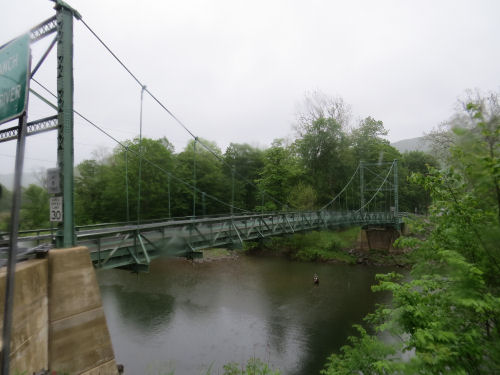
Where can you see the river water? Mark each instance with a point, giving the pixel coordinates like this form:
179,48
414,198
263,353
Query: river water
190,317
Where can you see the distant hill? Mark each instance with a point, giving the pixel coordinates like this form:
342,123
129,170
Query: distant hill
412,144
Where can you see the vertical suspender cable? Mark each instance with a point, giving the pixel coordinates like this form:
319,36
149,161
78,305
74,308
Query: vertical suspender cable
194,177
126,183
140,160
361,185
232,190
395,172
169,213
203,205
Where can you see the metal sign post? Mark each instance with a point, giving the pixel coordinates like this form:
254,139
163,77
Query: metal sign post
14,84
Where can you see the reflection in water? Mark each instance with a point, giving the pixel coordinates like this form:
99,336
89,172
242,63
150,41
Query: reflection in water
142,311
193,315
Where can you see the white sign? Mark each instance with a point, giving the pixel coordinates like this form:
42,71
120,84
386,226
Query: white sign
56,209
53,186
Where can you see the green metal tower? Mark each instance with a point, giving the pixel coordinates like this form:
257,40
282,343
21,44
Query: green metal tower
65,236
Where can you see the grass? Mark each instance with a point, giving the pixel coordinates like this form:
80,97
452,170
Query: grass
326,246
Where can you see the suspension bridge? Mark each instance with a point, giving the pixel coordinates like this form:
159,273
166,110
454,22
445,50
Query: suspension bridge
369,198
366,202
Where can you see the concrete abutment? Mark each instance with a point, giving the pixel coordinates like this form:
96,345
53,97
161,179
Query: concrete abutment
58,319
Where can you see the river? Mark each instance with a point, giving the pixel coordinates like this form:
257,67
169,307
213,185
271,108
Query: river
188,317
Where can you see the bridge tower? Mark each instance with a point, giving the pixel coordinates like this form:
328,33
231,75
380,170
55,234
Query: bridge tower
65,236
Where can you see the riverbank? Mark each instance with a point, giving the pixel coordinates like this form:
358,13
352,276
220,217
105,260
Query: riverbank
340,246
216,254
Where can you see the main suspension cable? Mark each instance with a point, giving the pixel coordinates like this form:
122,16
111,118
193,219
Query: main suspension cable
178,179
333,200
171,113
379,188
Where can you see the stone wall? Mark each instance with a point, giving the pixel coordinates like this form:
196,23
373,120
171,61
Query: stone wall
377,238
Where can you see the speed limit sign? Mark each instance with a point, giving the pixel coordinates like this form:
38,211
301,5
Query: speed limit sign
56,209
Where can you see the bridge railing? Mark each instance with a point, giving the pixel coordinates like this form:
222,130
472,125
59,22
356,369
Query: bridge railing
122,244
84,231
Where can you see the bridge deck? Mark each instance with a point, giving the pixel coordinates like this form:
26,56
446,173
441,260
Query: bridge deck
134,245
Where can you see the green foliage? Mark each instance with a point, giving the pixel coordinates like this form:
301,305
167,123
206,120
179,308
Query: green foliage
210,178
412,198
5,204
303,197
281,171
367,143
35,208
445,319
247,161
364,354
5,199
323,148
316,246
254,366
302,175
101,187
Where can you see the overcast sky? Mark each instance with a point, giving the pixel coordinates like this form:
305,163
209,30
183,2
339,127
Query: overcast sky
236,71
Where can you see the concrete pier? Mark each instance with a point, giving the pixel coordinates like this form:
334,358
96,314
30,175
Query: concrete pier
375,238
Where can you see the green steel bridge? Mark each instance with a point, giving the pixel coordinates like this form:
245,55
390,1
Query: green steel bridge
369,198
134,246
365,202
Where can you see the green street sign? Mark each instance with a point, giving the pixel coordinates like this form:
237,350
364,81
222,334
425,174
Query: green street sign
14,70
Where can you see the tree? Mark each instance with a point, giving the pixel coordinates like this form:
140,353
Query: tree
323,148
213,187
280,173
412,198
247,162
35,208
5,199
89,186
144,168
317,105
368,145
303,197
102,185
474,143
447,316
